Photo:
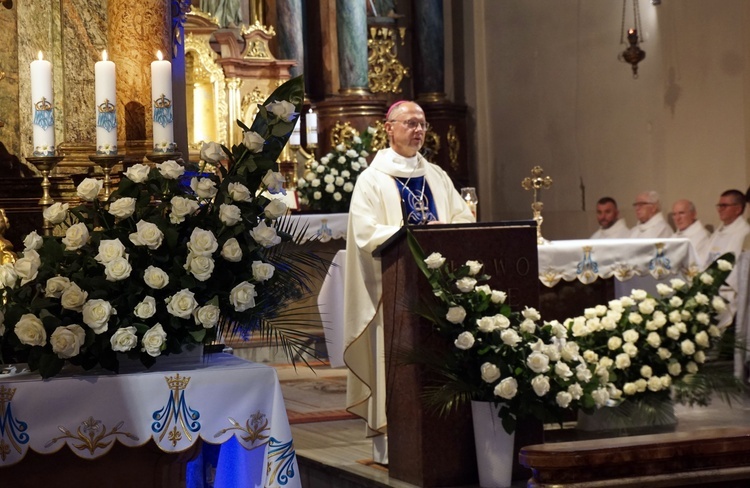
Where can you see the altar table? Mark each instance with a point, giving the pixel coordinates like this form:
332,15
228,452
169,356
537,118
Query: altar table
173,408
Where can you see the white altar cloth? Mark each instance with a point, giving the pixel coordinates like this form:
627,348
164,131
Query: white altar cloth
322,226
216,399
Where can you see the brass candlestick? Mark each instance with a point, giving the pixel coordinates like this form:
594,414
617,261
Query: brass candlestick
45,165
160,157
107,162
536,183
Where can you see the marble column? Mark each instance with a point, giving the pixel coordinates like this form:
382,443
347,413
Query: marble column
429,59
351,28
136,31
291,40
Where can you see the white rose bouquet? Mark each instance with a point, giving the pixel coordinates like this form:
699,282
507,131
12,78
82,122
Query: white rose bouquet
161,264
327,185
531,368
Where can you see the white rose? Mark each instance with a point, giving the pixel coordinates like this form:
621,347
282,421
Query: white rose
687,347
558,329
677,284
663,289
614,343
56,286
600,396
701,299
663,353
490,372
56,213
138,173
230,214
635,318
630,349
76,236
123,339
563,399
265,236
575,390
699,357
203,187
510,337
181,207
96,314
154,340
724,265
718,303
703,318
282,109
155,278
590,356
27,267
654,384
498,297
199,266
434,260
501,321
638,295
32,242
531,313
109,250
540,384
507,388
30,330
170,170
647,306
527,326
474,267
207,316
66,341
629,389
146,308
674,368
714,331
654,340
231,251
337,196
317,195
646,371
73,298
464,340
630,335
622,361
538,362
274,182
455,315
239,192
211,152
275,209
675,301
118,269
348,187
328,179
702,339
262,271
182,304
562,370
147,234
691,367
466,284
243,296
673,332
122,208
89,189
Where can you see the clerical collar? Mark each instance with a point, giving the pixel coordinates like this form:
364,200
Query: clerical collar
390,162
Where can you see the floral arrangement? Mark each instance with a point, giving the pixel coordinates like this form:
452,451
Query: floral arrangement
162,264
327,186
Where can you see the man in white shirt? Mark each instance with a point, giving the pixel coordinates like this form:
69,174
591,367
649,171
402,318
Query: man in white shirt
730,235
611,226
651,223
688,226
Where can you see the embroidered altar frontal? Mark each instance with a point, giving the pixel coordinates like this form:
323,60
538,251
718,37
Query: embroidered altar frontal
214,400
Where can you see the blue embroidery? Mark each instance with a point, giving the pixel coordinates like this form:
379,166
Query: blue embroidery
282,455
14,429
176,409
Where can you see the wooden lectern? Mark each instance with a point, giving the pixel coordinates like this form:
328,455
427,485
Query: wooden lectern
425,449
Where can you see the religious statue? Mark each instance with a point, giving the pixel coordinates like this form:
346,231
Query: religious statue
6,247
228,13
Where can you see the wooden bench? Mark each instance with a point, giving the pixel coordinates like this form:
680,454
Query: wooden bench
705,458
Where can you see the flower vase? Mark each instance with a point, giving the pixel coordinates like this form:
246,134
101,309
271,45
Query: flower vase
494,446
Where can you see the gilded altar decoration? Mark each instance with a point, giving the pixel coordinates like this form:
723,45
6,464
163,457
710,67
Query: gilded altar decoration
454,147
537,183
206,80
12,431
257,37
255,431
431,147
281,457
385,71
176,410
92,435
379,137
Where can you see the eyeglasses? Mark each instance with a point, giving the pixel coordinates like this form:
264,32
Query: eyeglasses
725,205
413,124
641,204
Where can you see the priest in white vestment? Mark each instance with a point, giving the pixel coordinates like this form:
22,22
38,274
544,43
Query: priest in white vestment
685,218
651,223
611,226
399,186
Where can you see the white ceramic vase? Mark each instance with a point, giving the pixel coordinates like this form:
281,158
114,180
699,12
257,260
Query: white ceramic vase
494,446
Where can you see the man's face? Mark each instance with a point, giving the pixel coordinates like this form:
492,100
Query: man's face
404,140
682,215
644,209
728,209
606,214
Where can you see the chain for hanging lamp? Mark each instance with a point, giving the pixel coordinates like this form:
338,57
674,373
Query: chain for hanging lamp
633,54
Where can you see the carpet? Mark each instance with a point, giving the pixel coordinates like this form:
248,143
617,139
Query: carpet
316,394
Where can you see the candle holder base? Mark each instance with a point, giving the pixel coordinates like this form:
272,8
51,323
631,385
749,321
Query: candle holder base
45,165
159,157
107,162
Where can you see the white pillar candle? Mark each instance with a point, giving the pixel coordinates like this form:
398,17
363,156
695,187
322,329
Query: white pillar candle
161,102
106,106
311,121
42,107
294,139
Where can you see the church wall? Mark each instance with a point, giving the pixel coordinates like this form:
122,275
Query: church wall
9,83
545,87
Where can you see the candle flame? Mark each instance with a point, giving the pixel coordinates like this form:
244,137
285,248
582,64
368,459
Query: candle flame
159,55
104,55
40,56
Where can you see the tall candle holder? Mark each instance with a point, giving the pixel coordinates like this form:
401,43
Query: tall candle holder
107,162
537,183
45,165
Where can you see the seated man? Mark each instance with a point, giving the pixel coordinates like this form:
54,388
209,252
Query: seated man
688,225
730,235
651,223
611,226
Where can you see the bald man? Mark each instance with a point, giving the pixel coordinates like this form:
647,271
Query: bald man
651,223
686,220
399,187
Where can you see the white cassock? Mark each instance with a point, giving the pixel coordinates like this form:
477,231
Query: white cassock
699,238
375,215
653,228
728,238
618,230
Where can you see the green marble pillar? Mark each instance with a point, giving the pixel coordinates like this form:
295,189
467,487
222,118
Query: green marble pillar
429,60
351,28
291,38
